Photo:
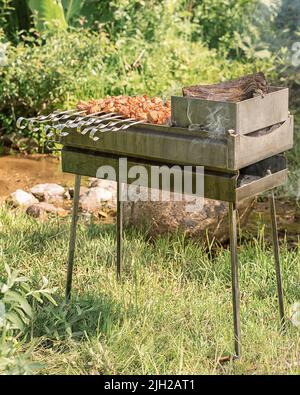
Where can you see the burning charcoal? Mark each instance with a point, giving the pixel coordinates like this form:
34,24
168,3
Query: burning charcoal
246,179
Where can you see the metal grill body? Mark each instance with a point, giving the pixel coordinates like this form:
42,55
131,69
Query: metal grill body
243,159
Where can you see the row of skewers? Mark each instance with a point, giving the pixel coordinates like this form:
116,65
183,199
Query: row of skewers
92,118
61,123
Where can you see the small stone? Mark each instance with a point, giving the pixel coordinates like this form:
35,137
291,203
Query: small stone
83,190
102,214
92,200
67,195
106,184
48,192
22,198
93,180
40,209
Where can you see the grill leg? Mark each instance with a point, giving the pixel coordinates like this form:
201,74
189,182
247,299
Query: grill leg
235,279
119,229
72,237
277,258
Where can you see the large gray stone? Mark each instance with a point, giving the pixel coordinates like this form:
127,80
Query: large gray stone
41,209
83,191
94,197
169,217
22,198
105,184
49,192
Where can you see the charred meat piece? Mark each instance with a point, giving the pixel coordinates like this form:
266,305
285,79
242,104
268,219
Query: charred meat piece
151,110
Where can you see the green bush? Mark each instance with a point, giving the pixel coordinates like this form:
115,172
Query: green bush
220,22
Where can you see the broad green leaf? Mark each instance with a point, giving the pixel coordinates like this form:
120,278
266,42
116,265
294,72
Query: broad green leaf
48,14
21,279
13,296
49,297
36,295
45,280
4,362
15,320
2,314
296,319
72,8
22,315
12,278
7,269
264,53
4,288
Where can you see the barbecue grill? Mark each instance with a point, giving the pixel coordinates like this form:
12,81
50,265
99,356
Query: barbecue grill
240,145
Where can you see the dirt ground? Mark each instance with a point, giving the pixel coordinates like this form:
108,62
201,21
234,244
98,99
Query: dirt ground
22,172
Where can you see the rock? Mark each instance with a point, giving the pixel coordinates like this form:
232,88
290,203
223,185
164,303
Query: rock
106,184
42,208
67,195
83,191
51,193
169,217
92,199
22,198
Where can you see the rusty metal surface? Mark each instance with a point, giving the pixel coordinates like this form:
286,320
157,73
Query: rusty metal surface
217,185
219,117
179,146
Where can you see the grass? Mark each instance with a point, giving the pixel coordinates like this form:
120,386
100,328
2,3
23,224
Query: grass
170,314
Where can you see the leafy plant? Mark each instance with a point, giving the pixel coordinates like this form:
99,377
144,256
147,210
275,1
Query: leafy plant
72,8
5,10
296,314
15,17
220,22
17,311
48,14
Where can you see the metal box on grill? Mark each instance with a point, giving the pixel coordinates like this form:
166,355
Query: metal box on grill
243,117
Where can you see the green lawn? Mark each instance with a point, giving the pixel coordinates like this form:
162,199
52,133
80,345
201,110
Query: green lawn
171,313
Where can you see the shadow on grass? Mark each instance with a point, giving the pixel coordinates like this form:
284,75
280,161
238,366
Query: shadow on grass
95,231
33,240
84,317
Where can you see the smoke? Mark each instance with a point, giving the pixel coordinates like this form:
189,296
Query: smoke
189,113
216,120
